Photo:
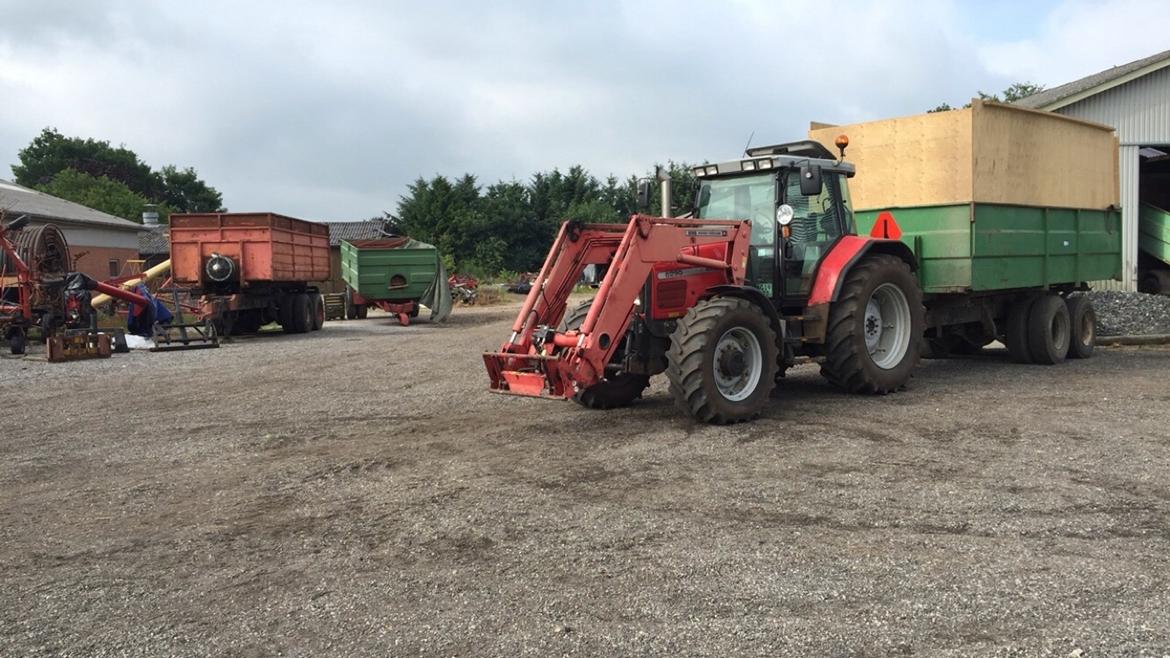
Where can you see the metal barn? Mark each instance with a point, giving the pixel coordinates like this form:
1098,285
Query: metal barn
1134,98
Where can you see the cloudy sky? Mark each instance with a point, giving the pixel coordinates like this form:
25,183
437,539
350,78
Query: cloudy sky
328,110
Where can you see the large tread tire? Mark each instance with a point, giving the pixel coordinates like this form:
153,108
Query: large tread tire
1015,330
614,391
848,364
362,311
1048,330
691,360
1083,321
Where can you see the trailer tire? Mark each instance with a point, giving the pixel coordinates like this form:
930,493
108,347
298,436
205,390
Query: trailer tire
614,391
300,318
719,343
879,289
17,341
1083,322
1049,330
285,313
318,311
1015,336
362,311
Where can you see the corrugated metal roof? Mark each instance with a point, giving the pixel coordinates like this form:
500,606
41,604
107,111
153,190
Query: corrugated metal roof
19,200
155,241
1057,96
366,230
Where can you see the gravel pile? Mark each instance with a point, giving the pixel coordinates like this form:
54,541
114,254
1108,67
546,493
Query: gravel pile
1130,313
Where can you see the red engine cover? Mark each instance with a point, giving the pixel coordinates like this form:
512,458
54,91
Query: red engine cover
677,286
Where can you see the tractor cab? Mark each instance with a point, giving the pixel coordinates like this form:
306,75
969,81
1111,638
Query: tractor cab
797,199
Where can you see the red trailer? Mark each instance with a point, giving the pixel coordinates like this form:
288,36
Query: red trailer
252,268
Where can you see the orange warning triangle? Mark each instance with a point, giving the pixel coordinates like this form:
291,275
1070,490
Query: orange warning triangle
886,227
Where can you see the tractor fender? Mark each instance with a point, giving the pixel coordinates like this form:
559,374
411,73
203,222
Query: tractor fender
845,253
755,296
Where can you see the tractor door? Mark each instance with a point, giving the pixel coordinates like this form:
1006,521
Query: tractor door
817,222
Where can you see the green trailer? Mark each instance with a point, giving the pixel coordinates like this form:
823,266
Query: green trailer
1154,243
1008,212
396,275
984,247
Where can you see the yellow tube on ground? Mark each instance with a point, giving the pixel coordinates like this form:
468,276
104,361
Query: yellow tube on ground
152,273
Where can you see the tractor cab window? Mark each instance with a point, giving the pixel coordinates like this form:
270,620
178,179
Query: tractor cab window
744,197
752,198
816,224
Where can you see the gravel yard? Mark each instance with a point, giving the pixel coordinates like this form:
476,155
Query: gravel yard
1131,313
360,492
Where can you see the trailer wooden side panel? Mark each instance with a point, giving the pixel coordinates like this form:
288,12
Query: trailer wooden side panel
1029,158
987,153
268,248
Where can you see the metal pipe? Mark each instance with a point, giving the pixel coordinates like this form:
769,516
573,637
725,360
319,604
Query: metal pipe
148,275
664,177
124,295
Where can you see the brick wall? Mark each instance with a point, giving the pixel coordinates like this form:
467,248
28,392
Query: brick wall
95,261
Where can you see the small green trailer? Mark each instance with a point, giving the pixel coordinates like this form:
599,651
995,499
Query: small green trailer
1154,243
1007,211
396,275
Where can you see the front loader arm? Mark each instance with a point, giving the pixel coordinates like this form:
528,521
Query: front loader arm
538,360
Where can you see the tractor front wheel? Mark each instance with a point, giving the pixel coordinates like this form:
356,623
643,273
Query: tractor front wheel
723,361
616,390
875,327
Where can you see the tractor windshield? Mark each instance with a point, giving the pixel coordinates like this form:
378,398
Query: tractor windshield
743,197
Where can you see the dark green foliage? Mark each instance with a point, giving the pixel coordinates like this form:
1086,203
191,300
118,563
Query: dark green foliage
183,190
102,174
510,225
98,192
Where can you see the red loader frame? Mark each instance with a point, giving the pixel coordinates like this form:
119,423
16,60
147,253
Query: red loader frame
540,361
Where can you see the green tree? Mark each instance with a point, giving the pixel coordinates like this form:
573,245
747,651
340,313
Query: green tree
51,153
184,191
98,192
1016,91
171,188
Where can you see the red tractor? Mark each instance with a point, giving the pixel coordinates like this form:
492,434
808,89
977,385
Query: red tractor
723,306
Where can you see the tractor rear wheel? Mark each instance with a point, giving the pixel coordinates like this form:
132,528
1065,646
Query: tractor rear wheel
1083,320
723,361
876,327
617,390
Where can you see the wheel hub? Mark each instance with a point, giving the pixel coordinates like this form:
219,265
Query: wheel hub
738,362
732,362
886,326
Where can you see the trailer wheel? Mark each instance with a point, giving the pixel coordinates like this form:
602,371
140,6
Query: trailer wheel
362,311
1083,322
614,391
1048,330
318,311
286,313
17,341
302,314
875,327
722,361
1015,332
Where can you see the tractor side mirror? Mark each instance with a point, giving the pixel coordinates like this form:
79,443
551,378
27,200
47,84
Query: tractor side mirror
644,191
811,182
